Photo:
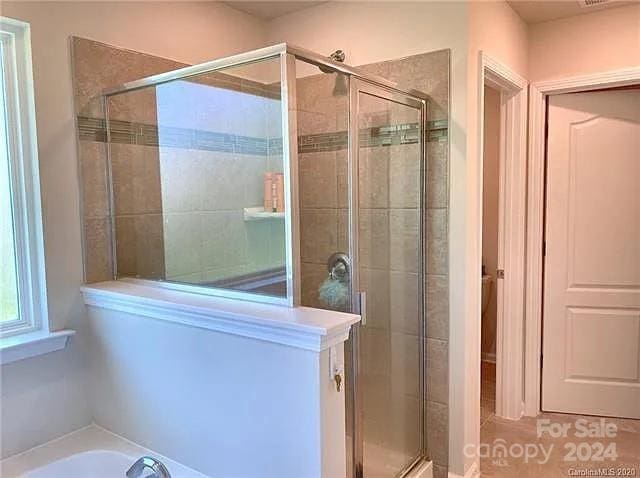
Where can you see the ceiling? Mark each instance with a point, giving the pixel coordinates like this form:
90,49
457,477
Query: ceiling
269,10
536,11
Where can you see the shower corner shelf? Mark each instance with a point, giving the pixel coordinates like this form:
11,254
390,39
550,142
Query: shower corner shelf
258,213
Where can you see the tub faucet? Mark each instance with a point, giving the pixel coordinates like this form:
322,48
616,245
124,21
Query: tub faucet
158,470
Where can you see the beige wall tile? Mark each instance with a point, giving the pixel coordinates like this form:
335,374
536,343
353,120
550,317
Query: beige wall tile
405,430
440,471
93,167
344,233
140,246
315,122
373,177
405,303
404,176
318,93
437,175
377,284
137,106
376,350
319,234
437,304
183,243
97,252
313,275
181,191
374,237
437,242
135,174
224,242
342,173
405,365
318,180
97,66
404,234
428,73
438,372
437,418
252,169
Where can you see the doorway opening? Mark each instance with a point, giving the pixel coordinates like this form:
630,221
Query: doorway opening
491,263
502,147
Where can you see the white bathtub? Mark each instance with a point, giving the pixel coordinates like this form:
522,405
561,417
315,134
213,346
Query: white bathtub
94,464
91,452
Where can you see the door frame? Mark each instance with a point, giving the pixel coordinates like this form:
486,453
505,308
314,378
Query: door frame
358,86
538,94
512,229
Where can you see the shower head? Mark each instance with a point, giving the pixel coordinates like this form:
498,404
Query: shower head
338,56
340,86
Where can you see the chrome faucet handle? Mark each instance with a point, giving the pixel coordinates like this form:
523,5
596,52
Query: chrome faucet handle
148,463
338,266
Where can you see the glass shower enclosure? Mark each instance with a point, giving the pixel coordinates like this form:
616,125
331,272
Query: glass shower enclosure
282,176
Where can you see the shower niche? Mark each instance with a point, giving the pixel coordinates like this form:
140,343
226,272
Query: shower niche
286,177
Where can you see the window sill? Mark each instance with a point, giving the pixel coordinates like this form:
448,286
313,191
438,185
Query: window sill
23,346
301,327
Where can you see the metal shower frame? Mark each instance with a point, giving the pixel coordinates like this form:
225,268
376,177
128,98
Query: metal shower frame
360,82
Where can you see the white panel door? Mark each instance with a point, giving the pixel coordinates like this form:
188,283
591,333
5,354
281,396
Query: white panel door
591,324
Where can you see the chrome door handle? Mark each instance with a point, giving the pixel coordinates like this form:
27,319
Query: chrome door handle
362,298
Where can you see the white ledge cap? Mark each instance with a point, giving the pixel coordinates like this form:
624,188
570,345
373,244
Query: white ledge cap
23,346
302,327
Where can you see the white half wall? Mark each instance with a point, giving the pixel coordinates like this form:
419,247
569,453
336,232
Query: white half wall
225,405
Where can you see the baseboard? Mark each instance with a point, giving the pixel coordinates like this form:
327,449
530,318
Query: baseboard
472,472
488,357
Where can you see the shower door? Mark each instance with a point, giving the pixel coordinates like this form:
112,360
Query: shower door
386,222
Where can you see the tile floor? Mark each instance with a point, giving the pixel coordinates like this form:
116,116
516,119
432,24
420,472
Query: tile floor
523,435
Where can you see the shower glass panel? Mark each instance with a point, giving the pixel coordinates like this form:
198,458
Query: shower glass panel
322,111
197,180
389,251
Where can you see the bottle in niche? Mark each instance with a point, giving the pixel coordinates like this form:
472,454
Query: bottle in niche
268,191
274,193
279,193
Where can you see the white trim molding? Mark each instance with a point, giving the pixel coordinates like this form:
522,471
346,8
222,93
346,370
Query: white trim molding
301,327
538,93
512,235
23,346
15,37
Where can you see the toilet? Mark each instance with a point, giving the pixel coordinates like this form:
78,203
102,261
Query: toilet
487,283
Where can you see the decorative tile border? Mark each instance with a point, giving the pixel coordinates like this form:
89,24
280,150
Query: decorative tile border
126,132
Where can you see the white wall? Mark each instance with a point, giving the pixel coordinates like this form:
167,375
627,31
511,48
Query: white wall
498,31
591,43
45,397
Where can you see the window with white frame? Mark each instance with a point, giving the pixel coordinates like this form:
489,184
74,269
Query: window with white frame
23,306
